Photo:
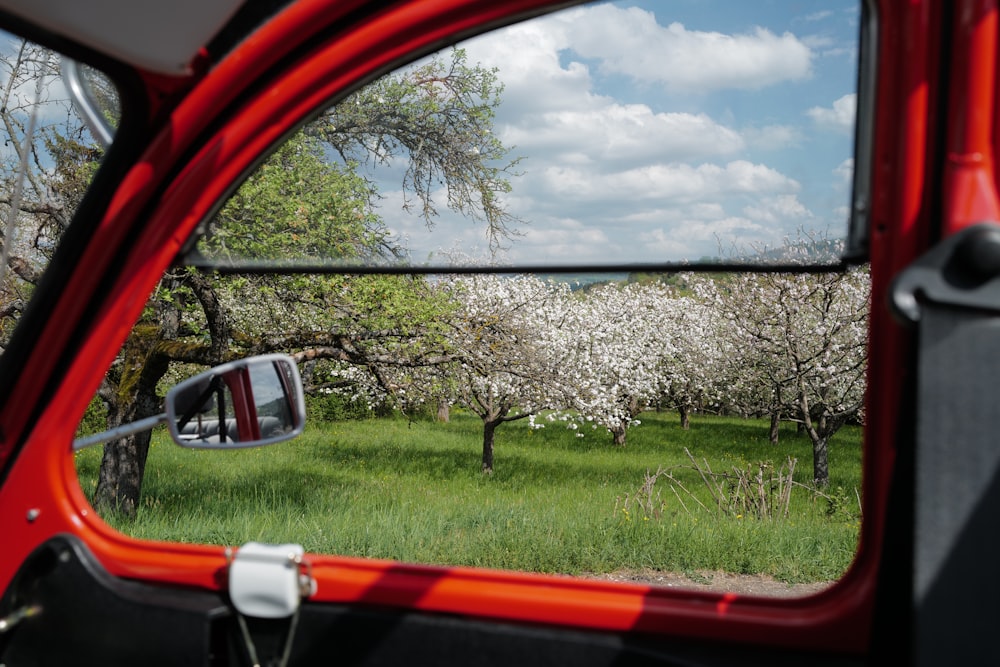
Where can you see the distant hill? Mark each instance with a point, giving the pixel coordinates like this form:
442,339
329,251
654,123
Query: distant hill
805,252
584,280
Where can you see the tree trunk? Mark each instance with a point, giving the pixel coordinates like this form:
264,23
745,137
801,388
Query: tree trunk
619,433
819,438
620,430
685,412
443,411
775,414
775,425
489,433
119,481
821,465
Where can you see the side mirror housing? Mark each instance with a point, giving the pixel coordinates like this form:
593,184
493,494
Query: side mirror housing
246,403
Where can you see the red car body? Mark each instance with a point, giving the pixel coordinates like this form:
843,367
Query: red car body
933,151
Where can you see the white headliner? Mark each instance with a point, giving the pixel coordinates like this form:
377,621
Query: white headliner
154,35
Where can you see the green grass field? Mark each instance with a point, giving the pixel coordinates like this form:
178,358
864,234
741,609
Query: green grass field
557,503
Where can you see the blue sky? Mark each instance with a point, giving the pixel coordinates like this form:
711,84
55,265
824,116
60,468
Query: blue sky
662,130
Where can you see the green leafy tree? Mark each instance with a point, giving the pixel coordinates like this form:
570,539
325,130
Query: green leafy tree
440,115
310,199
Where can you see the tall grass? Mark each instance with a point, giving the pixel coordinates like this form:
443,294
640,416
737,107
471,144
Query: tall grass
413,491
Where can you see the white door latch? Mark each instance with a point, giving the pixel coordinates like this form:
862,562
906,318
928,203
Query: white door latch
269,580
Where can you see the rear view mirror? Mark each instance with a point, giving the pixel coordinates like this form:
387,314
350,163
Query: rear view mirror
246,403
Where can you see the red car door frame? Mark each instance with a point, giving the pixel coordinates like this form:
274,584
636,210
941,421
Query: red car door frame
933,123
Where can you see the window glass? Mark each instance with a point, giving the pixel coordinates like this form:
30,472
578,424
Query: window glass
609,134
47,161
632,425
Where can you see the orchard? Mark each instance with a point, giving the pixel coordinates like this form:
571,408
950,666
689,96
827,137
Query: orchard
788,346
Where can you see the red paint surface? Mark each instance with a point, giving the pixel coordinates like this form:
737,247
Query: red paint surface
184,172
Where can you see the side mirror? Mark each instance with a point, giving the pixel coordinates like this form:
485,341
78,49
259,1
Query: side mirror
246,403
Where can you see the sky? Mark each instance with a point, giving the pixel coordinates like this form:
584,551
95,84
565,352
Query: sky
667,130
657,131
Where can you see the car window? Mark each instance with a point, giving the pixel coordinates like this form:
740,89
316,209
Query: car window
48,160
584,417
616,133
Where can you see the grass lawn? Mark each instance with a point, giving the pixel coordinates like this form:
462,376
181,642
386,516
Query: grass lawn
413,491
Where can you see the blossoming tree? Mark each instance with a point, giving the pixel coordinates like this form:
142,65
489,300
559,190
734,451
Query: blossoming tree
506,364
802,342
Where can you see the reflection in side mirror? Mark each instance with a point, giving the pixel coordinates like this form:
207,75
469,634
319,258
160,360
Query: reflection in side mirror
245,403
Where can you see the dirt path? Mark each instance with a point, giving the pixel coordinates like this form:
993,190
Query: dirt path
744,584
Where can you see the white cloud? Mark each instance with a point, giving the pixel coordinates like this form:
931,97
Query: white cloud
818,16
694,238
772,137
778,210
663,243
839,117
624,132
706,210
567,240
845,171
672,182
632,42
527,55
